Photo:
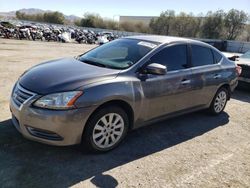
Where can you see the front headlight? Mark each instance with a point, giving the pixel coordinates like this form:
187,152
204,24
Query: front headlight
64,100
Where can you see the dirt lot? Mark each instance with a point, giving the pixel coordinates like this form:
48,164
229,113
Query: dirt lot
195,150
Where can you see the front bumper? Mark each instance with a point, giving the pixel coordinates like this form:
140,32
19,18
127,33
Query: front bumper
51,127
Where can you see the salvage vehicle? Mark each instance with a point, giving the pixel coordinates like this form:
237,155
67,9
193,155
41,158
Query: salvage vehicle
244,62
102,39
97,97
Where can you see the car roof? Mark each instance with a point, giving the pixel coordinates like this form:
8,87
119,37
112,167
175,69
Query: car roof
166,39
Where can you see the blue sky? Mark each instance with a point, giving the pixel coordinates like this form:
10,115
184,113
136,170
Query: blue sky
114,8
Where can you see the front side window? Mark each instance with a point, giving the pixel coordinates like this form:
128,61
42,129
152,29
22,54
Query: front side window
201,56
174,57
118,54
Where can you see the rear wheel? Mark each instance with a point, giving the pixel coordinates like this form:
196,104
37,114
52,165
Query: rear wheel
105,129
219,102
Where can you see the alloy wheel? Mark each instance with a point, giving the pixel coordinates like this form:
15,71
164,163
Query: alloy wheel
220,101
108,130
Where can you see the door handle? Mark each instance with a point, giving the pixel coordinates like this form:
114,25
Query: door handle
185,82
216,76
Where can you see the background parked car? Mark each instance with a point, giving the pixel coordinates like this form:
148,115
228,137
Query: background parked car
56,33
244,62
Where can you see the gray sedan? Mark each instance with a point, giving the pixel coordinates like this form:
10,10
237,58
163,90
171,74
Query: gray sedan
97,97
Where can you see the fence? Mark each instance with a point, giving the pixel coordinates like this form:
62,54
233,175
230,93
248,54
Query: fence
238,46
229,46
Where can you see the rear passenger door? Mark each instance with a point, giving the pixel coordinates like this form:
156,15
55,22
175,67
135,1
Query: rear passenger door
206,71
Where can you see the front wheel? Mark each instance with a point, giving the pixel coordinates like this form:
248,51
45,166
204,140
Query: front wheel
105,129
219,102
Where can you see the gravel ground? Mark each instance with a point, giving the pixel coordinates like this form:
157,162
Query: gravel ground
195,150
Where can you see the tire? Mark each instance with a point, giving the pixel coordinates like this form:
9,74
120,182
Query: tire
100,136
219,101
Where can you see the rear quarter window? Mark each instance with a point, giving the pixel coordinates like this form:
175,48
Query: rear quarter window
217,56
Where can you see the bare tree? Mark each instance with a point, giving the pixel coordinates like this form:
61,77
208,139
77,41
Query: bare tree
186,25
163,24
213,25
234,23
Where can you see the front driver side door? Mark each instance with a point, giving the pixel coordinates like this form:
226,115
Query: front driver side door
165,94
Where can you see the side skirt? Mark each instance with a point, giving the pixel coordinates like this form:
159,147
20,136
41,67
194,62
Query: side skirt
168,116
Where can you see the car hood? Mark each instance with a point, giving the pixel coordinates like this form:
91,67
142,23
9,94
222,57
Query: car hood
63,75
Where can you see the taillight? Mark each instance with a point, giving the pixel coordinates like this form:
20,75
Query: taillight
238,70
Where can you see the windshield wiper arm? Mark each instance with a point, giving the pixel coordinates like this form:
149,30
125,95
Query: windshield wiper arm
94,63
77,57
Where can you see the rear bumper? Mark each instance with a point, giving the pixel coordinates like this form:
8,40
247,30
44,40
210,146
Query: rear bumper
243,79
51,127
233,84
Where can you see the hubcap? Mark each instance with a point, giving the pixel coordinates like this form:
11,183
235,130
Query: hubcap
108,130
220,101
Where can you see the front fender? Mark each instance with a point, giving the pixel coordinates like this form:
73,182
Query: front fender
123,89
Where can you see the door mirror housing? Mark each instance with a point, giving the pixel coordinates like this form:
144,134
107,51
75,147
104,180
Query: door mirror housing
156,69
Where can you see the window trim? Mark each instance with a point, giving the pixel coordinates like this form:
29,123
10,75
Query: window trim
214,60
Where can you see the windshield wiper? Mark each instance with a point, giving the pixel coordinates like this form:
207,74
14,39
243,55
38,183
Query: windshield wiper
93,63
77,57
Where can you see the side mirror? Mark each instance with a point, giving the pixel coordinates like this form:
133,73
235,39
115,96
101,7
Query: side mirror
156,69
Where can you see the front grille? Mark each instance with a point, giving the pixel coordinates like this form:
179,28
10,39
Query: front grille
20,95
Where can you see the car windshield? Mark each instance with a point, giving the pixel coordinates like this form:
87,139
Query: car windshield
118,54
246,55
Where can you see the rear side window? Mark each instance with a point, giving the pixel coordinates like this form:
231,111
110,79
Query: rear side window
174,57
201,56
217,56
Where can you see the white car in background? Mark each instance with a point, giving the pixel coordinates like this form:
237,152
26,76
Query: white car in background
105,37
102,39
243,61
